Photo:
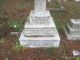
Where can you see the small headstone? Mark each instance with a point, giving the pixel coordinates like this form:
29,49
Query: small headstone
73,29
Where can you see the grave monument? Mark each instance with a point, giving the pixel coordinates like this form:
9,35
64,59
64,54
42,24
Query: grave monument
73,29
40,30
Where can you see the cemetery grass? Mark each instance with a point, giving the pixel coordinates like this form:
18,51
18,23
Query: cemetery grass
10,49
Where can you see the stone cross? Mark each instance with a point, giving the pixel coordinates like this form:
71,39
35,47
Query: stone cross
40,6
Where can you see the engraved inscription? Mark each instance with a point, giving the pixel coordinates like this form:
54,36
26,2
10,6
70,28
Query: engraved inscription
40,43
40,20
39,32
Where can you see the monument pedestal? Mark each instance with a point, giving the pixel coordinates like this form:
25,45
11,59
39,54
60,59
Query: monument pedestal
40,31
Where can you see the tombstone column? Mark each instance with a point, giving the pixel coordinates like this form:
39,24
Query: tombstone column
40,6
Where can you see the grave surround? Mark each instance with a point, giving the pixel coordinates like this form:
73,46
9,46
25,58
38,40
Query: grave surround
40,30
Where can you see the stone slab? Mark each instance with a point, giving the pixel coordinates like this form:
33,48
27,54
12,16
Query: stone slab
38,42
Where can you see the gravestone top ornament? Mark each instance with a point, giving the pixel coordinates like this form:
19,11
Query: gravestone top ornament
39,30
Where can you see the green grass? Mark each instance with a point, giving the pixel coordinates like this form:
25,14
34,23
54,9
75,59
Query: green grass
2,1
22,4
78,58
62,18
17,23
72,11
54,4
17,47
49,51
1,40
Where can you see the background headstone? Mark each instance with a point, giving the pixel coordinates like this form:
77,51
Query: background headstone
73,29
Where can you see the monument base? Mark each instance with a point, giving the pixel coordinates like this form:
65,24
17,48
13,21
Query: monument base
44,42
40,31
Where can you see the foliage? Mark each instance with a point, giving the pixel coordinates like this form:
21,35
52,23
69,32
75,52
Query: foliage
17,47
54,4
49,51
78,58
15,24
2,1
3,20
1,40
11,23
52,52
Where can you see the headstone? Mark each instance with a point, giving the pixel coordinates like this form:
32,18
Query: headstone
40,29
73,29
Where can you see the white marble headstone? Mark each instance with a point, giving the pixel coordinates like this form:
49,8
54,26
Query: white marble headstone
40,30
